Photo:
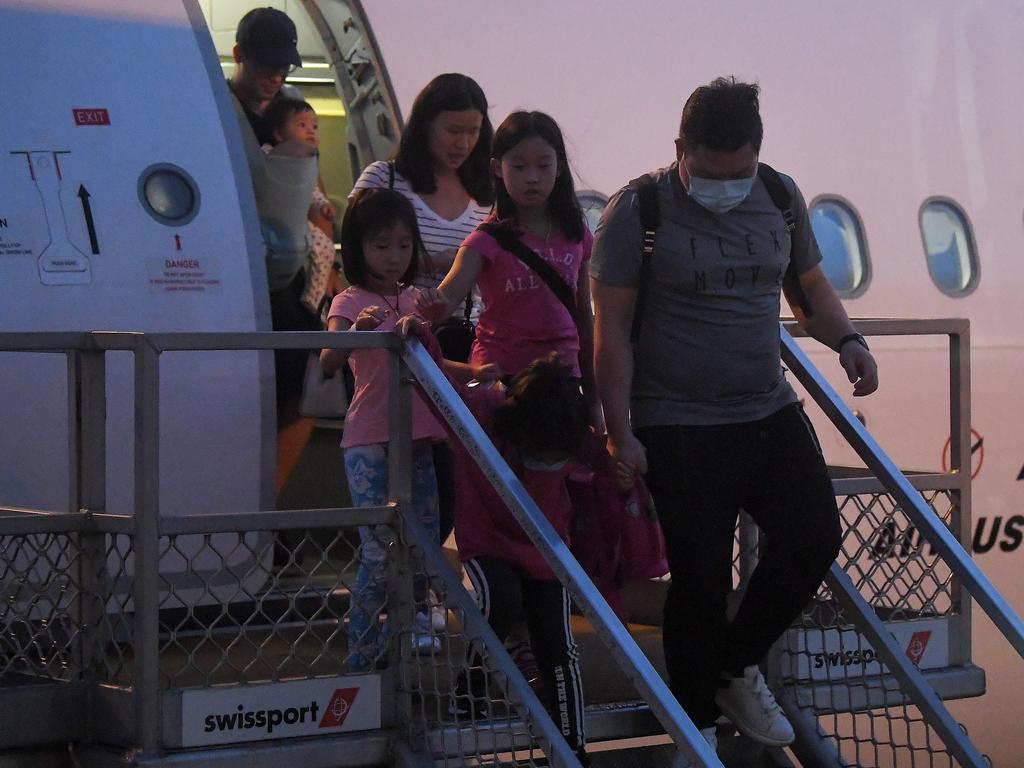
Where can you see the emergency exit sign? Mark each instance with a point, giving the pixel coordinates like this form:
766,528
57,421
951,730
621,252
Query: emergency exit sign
91,116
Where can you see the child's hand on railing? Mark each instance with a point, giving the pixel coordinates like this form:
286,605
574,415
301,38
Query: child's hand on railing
370,318
414,325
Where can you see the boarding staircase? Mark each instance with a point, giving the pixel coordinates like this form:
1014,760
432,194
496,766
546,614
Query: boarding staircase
220,640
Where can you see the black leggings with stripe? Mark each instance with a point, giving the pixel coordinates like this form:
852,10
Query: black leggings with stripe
504,595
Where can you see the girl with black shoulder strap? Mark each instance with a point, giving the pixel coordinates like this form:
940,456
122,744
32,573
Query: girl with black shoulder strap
528,260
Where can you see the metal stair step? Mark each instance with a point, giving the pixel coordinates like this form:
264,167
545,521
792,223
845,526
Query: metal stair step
734,750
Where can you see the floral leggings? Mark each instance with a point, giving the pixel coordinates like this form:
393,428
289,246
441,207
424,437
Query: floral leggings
367,469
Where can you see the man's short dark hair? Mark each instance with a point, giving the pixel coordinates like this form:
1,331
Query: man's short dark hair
268,36
722,115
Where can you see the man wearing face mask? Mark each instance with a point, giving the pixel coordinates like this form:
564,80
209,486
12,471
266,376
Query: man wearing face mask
695,398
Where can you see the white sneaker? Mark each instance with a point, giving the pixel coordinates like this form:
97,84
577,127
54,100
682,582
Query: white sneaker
748,703
710,736
438,618
424,641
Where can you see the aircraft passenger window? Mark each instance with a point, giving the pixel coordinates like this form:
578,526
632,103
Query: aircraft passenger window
168,194
844,253
949,247
593,204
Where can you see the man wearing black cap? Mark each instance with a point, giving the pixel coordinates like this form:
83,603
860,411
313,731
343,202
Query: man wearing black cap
265,52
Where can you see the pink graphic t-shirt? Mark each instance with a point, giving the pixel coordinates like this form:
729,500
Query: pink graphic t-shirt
522,319
366,421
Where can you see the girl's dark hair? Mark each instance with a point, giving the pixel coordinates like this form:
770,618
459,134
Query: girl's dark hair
562,205
370,211
722,115
280,111
450,92
544,411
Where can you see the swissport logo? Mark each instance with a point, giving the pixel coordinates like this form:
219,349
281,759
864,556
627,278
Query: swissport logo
917,645
282,710
338,707
269,719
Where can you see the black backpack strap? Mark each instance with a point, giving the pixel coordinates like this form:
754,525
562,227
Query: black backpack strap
506,238
650,217
391,174
782,200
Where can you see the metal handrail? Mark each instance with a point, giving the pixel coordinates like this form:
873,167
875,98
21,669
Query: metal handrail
909,499
148,348
146,524
909,676
555,551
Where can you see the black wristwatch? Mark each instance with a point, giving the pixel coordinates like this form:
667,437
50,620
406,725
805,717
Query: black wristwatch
852,337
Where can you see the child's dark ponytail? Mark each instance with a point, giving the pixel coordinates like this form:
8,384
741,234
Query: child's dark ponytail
545,412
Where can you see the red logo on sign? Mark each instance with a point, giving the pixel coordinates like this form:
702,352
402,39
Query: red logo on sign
977,453
916,646
95,116
339,707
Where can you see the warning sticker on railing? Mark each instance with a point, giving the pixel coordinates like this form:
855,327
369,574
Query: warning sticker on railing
280,710
833,654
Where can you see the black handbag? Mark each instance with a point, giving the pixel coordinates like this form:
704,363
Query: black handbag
456,335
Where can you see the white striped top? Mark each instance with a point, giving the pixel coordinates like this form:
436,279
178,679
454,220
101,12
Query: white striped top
439,234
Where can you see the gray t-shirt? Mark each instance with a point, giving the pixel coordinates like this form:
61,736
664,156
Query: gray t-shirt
708,351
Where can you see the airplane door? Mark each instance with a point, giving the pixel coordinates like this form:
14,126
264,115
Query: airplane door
126,204
341,61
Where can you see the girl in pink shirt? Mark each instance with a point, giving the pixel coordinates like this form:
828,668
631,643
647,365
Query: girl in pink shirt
380,255
522,318
539,425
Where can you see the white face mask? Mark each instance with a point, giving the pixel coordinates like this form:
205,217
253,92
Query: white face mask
720,196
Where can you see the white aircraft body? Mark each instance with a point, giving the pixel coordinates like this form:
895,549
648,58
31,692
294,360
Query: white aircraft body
883,107
899,121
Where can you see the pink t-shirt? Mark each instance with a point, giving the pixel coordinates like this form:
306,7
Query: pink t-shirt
366,421
522,319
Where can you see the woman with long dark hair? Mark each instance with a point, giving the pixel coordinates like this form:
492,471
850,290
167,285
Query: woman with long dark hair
441,166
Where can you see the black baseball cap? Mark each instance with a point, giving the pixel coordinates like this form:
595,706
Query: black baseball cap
268,36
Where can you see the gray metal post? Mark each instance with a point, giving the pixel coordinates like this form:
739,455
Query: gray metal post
91,438
400,572
961,462
146,582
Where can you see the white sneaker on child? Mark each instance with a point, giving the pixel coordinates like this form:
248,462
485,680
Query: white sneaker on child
710,736
424,641
752,708
438,618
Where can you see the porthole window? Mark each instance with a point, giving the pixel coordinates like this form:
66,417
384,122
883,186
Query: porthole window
168,194
593,205
844,253
949,247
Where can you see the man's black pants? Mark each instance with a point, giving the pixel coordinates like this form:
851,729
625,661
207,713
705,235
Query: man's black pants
700,477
